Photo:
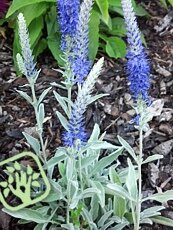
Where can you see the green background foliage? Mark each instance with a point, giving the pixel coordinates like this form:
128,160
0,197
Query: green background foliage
106,27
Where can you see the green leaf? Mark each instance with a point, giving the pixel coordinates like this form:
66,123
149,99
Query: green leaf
119,206
120,191
61,101
6,192
104,9
95,134
35,184
41,115
164,3
29,170
34,143
89,192
28,214
114,177
127,147
115,47
171,2
18,4
118,27
56,159
25,96
101,194
43,95
93,34
161,197
131,181
152,158
96,97
163,220
63,120
17,166
104,218
105,161
150,212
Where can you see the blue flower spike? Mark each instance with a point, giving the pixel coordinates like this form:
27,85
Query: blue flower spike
138,69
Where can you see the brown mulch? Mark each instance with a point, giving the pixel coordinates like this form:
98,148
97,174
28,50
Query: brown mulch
112,112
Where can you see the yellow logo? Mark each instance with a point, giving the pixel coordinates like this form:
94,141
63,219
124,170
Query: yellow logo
26,184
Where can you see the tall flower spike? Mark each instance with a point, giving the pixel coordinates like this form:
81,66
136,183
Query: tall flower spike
26,60
68,12
138,68
80,62
76,127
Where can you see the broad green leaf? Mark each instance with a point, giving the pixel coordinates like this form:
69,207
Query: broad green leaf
44,93
28,214
63,120
104,9
105,161
115,47
34,143
127,147
163,220
25,96
131,181
93,34
18,4
152,158
118,27
53,38
120,226
161,197
164,3
171,2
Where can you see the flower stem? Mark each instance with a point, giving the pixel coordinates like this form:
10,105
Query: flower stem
35,106
69,98
138,205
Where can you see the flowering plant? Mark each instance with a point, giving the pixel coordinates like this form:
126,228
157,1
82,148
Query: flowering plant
89,190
